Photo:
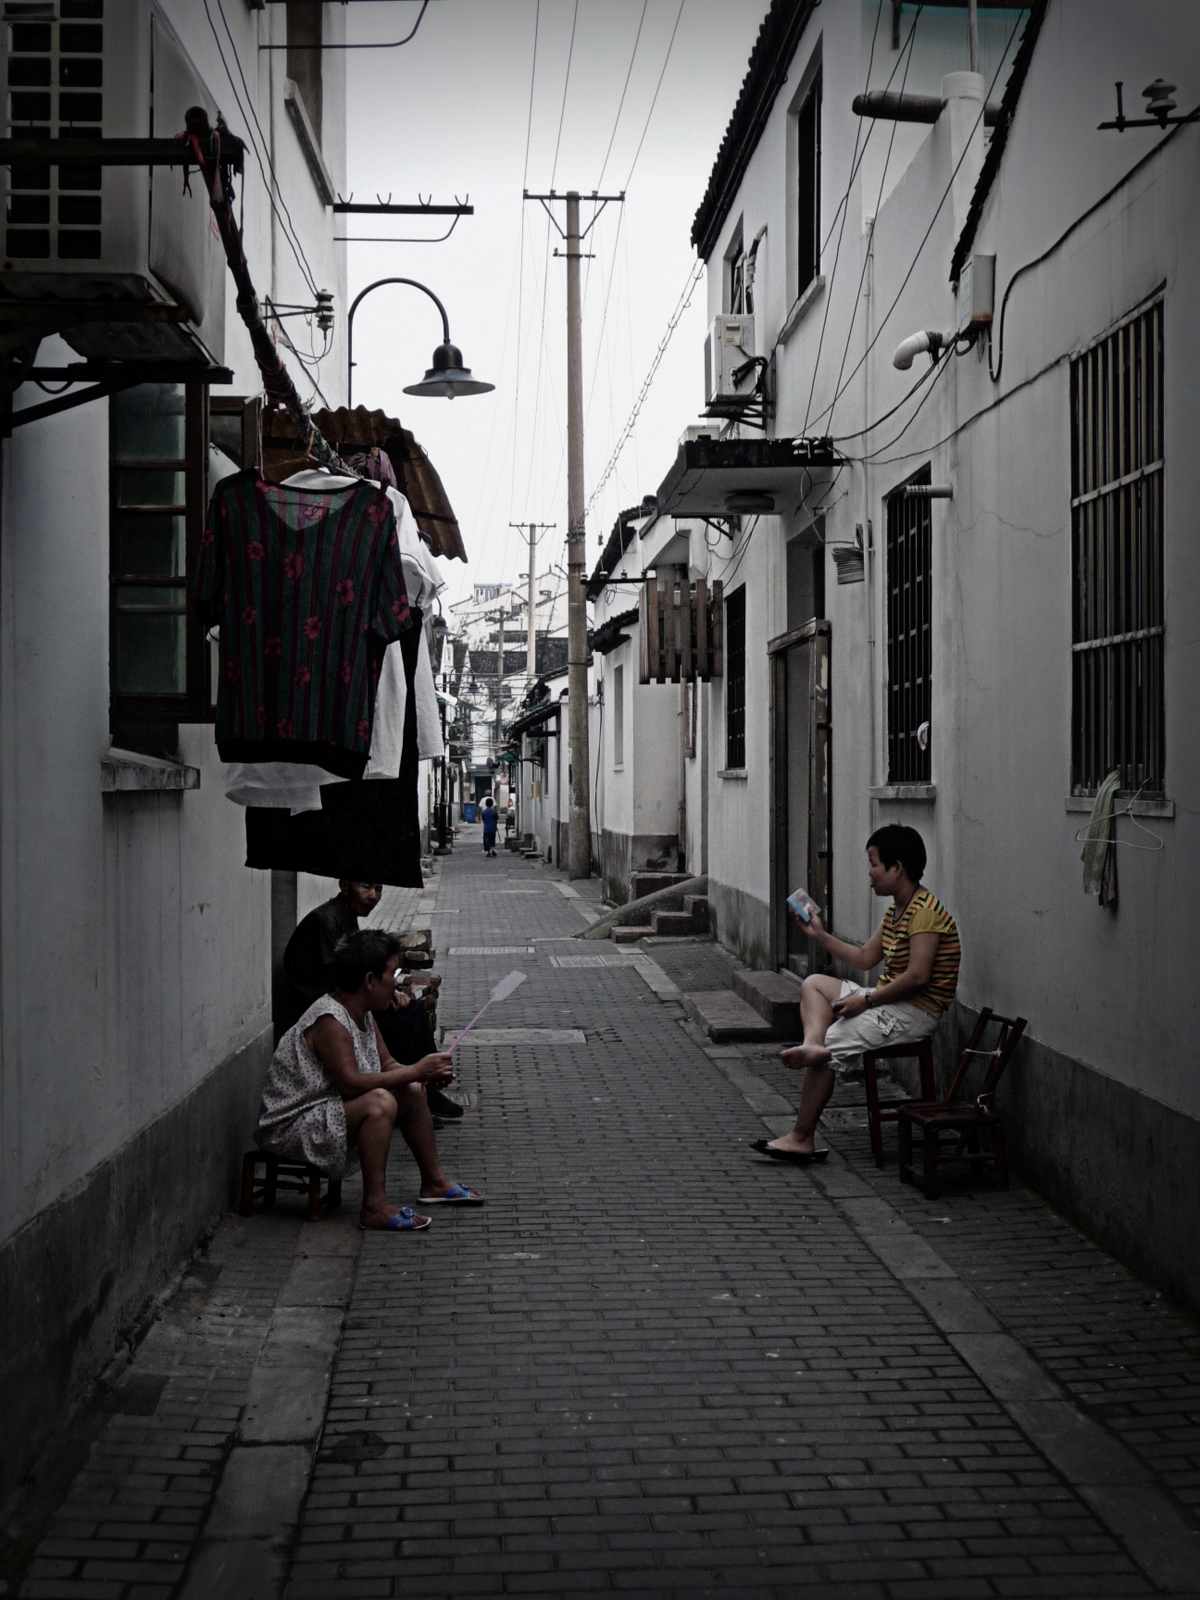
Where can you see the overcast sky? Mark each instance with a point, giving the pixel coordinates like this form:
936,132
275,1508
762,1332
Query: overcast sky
448,115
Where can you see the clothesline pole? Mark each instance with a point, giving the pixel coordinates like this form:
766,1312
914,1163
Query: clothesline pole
205,143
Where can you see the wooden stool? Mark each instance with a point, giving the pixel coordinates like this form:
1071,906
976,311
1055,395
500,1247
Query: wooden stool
922,1051
280,1174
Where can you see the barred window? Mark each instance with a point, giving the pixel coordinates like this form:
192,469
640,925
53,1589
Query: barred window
735,679
1117,557
909,646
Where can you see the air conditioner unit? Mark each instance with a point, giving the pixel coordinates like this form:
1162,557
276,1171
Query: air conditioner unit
83,69
727,350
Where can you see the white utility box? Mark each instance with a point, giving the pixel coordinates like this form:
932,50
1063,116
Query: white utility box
728,348
976,292
87,69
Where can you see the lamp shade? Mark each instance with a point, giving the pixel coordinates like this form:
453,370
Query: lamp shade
447,376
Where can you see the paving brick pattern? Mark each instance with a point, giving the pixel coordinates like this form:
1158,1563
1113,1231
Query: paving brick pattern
133,1513
1126,1356
653,1365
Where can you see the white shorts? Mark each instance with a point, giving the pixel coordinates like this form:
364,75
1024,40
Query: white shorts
899,1023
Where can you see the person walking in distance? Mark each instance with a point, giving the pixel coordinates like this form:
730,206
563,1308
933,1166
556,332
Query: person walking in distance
491,821
918,943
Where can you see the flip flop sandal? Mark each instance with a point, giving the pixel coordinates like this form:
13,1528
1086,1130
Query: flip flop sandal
406,1220
456,1195
798,1158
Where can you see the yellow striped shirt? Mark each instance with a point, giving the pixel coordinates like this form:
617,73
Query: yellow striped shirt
924,913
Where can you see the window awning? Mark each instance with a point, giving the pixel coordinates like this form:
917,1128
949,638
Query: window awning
744,477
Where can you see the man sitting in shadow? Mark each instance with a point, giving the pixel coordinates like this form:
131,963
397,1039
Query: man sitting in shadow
308,971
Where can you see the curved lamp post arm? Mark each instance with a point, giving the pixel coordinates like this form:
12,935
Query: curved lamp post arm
379,284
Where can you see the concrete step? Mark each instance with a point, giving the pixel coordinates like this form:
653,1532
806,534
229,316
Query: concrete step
676,923
726,1016
776,998
627,935
644,883
531,855
696,905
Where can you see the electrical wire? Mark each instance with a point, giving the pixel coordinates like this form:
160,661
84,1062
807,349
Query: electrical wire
871,426
866,261
845,210
925,236
291,232
624,91
381,44
685,299
936,371
512,489
657,87
250,115
566,86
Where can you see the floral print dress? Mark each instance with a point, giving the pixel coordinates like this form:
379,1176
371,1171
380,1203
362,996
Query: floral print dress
302,1117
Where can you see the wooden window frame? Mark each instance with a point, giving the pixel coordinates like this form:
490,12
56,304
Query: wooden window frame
196,703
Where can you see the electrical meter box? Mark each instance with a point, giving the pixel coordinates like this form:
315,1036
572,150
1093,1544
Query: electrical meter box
86,69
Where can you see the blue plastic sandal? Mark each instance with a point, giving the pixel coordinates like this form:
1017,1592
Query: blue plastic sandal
406,1219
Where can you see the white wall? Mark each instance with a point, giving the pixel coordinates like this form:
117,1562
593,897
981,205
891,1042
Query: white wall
134,945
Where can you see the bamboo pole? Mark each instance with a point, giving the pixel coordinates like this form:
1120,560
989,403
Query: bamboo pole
205,144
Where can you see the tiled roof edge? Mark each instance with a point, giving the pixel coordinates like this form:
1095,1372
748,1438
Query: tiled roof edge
766,74
991,162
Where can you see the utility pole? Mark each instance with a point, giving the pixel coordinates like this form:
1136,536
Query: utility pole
580,822
531,635
499,682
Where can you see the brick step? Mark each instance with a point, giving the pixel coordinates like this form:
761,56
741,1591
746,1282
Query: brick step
644,883
627,935
776,998
696,905
726,1016
677,923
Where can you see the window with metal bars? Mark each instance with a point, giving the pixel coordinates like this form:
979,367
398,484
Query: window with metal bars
909,653
1117,557
735,679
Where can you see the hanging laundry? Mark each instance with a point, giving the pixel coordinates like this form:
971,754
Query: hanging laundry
397,678
369,832
308,589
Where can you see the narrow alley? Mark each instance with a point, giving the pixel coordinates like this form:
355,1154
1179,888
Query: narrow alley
654,1363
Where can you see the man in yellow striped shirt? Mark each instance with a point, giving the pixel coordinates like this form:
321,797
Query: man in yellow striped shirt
918,943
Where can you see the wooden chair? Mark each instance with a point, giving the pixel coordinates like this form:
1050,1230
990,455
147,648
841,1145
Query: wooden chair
922,1052
936,1117
278,1174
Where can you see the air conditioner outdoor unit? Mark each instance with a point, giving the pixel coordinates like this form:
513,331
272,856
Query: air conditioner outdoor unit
727,350
83,69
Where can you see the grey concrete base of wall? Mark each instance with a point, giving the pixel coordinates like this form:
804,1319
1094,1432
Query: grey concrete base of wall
83,1272
741,922
618,855
1121,1166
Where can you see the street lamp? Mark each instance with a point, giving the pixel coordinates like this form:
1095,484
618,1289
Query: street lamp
447,376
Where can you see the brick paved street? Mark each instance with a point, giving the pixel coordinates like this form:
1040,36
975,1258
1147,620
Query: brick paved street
655,1364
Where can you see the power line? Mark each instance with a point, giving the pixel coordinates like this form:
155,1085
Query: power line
685,299
657,87
566,86
887,161
624,91
248,112
845,210
925,236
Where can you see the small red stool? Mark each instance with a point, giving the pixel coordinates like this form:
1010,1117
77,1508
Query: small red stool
920,1050
278,1174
